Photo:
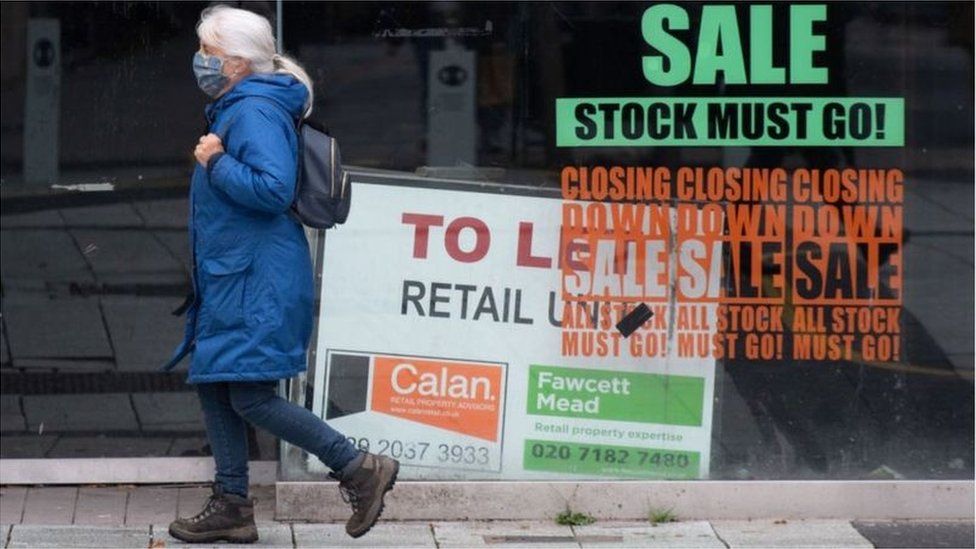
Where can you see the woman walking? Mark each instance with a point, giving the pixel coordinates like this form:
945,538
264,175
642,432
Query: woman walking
251,319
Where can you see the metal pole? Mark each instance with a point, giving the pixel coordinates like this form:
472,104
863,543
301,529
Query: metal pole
279,32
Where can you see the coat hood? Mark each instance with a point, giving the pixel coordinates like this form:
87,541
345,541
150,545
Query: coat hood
284,89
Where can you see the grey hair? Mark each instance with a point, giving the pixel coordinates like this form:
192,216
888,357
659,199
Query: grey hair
245,34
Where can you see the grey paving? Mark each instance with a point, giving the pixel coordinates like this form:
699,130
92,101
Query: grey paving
47,505
40,255
11,417
792,533
77,536
25,446
143,330
917,533
270,534
80,412
39,219
101,506
70,446
177,242
188,446
941,273
169,411
128,256
467,533
384,534
631,534
38,327
488,533
119,214
151,505
962,361
12,504
264,502
934,207
169,213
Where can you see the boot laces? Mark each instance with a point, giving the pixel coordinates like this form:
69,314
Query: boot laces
214,504
350,496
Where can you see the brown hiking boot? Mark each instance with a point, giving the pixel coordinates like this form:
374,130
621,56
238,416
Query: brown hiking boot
227,517
364,489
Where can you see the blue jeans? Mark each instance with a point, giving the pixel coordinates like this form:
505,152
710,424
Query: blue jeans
227,405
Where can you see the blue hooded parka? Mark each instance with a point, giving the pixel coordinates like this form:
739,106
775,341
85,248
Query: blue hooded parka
251,317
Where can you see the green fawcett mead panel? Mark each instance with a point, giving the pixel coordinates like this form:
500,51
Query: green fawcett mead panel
617,396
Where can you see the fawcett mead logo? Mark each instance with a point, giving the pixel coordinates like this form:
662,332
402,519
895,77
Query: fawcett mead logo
463,397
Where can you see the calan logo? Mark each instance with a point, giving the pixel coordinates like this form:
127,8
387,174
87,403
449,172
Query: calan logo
463,397
407,379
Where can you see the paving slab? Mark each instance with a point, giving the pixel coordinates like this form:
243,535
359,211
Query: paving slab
178,244
77,536
941,272
39,327
169,411
47,505
492,533
168,213
388,534
151,505
115,255
643,534
937,208
12,504
101,506
120,214
41,255
109,446
189,447
953,200
11,416
143,330
26,446
40,219
792,533
917,533
80,412
963,362
270,534
264,502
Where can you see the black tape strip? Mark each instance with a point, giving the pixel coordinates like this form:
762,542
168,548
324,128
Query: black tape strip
634,320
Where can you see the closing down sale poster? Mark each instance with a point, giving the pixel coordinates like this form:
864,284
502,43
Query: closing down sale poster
472,334
451,338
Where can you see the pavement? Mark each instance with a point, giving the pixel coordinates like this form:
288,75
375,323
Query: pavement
138,516
85,323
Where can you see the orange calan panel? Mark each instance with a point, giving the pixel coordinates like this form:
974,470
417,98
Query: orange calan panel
457,396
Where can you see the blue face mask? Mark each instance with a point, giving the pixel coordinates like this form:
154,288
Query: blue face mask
209,72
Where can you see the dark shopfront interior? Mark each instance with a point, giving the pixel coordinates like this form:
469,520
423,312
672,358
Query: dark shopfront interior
89,279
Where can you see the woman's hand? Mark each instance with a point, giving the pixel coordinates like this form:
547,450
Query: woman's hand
208,146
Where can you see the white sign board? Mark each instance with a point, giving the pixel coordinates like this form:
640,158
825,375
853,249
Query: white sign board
444,340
